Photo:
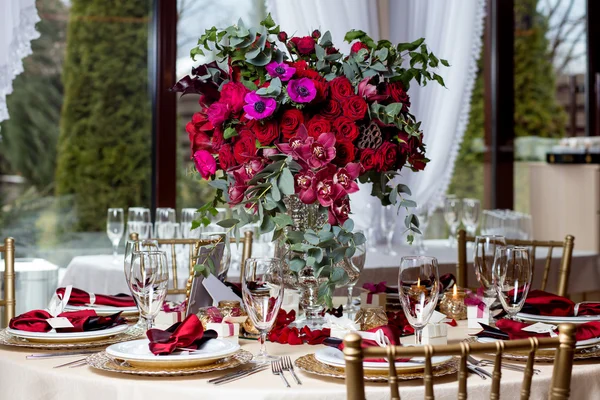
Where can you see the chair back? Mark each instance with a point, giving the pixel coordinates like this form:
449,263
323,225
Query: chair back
560,385
564,269
8,302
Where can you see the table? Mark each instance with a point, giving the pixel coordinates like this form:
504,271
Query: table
36,379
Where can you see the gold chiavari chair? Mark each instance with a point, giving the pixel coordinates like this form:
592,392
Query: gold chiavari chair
561,374
564,269
8,302
194,251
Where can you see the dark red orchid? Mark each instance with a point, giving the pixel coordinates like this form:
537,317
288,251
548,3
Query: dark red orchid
373,92
298,145
339,212
327,190
320,152
237,190
304,186
346,177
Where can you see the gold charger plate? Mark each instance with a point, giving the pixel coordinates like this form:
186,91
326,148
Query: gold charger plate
132,333
548,356
104,362
309,364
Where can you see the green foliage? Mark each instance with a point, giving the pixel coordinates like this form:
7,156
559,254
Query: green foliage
105,137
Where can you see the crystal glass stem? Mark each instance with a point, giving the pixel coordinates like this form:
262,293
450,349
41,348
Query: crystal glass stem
418,336
262,354
389,238
349,305
115,246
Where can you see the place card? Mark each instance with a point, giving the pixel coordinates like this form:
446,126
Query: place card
540,327
59,322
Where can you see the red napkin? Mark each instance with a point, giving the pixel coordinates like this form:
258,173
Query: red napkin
188,334
388,331
82,321
81,298
513,329
544,303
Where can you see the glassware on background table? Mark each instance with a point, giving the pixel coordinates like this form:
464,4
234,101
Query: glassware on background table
188,215
225,261
114,229
513,274
483,261
138,219
471,211
354,268
148,282
452,215
422,213
369,227
164,221
418,288
262,292
389,216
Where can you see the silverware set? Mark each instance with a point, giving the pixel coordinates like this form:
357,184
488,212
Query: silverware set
234,376
475,365
71,364
284,364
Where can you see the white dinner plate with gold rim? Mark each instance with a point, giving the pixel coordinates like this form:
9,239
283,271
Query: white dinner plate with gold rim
67,337
582,344
106,310
335,357
557,320
137,353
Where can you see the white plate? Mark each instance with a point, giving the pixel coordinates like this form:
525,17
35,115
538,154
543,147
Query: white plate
557,320
335,357
104,310
67,336
137,352
582,344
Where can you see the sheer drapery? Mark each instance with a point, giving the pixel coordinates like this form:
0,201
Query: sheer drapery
452,29
17,30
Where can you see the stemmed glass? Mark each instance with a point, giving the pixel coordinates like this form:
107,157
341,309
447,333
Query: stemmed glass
224,262
452,209
353,267
513,276
471,209
389,217
138,219
165,223
130,247
148,282
418,287
422,214
187,217
370,215
262,292
483,261
114,229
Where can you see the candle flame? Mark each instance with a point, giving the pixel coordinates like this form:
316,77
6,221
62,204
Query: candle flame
418,282
455,290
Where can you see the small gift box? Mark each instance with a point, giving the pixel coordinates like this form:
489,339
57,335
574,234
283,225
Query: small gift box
477,311
340,327
226,330
291,300
171,313
436,331
374,294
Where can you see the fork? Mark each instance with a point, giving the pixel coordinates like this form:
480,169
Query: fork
286,363
277,370
488,363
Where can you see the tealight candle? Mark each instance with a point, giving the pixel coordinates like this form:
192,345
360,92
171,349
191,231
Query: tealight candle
416,290
454,305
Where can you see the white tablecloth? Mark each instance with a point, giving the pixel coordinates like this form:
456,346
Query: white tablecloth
37,380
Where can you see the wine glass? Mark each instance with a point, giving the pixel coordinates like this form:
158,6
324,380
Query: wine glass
262,292
370,227
483,261
353,267
148,282
187,217
223,262
137,218
513,274
452,210
471,209
164,223
130,247
389,216
422,213
418,288
114,229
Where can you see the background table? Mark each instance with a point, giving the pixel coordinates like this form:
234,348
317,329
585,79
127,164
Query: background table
36,379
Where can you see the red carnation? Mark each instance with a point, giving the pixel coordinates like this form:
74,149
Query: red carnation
304,45
345,129
233,94
388,154
344,153
245,147
331,110
369,160
226,158
290,121
358,46
317,125
341,88
355,108
399,95
266,132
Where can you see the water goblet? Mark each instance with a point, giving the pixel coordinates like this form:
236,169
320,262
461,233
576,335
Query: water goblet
353,267
130,247
512,277
114,229
483,262
471,209
418,288
262,292
389,216
452,210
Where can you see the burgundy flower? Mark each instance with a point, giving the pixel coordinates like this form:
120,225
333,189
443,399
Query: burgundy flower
205,163
346,177
226,158
344,153
331,110
233,94
327,190
346,129
298,146
266,132
237,190
317,126
358,46
341,88
282,36
316,34
399,95
245,147
304,186
290,120
251,168
371,92
388,152
304,45
355,108
321,152
339,211
218,113
369,160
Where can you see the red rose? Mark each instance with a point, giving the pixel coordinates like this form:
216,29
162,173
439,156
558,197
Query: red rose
226,158
388,153
358,46
344,153
316,34
345,129
233,94
318,125
304,45
369,160
331,110
355,108
341,88
217,113
331,50
217,140
245,147
291,119
266,132
399,95
322,90
282,36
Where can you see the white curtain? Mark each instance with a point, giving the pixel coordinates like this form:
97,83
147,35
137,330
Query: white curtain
17,30
452,29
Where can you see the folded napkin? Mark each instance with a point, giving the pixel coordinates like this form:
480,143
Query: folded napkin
543,303
380,336
514,330
188,334
81,298
82,321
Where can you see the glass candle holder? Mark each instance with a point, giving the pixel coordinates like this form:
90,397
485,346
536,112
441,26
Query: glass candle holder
453,304
370,317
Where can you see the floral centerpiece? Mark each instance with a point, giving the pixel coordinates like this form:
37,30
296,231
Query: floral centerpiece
292,116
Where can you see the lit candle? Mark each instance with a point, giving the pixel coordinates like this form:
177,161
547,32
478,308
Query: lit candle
455,292
418,288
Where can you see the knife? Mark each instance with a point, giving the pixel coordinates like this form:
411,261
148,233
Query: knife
247,373
237,373
37,356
